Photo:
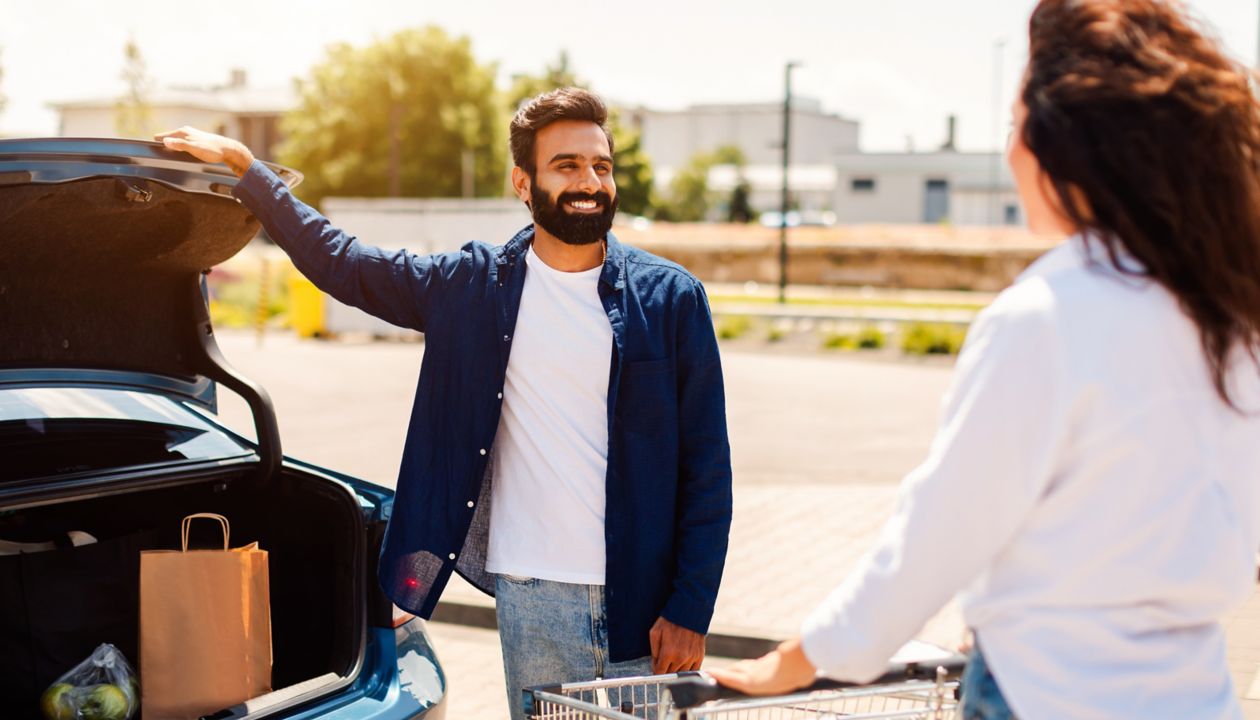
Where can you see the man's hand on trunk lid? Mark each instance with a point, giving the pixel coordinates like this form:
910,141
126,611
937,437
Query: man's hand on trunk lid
208,147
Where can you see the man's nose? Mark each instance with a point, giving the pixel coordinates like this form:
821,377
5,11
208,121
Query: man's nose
588,182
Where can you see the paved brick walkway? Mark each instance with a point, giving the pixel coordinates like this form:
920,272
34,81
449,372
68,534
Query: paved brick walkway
789,547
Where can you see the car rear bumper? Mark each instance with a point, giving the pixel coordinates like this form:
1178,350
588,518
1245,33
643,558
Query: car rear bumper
401,679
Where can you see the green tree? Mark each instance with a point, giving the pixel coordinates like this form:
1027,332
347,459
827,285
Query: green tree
689,197
395,118
632,169
728,155
739,207
132,113
741,210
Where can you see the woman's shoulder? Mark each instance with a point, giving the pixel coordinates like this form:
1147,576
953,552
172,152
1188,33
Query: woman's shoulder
1080,279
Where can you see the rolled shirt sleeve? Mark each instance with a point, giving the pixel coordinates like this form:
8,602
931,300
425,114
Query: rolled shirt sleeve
992,457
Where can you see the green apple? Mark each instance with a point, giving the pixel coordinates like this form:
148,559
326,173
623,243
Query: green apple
106,702
55,704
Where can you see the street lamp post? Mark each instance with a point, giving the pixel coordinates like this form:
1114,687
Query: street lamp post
787,155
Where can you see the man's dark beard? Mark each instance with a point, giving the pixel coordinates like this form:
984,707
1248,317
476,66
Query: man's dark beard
572,228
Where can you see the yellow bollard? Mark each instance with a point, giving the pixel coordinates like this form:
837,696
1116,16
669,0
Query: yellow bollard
260,316
306,306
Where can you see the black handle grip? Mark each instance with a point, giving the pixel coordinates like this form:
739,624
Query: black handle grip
693,691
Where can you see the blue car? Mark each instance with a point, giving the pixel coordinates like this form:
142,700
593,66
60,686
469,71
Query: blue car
109,436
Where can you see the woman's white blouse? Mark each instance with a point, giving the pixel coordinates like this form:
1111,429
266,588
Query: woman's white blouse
1092,493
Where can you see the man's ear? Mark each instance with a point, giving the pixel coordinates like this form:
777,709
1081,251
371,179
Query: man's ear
520,184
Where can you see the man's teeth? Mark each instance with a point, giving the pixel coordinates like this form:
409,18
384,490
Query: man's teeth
584,204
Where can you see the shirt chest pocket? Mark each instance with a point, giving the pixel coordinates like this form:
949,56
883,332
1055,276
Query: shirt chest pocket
647,398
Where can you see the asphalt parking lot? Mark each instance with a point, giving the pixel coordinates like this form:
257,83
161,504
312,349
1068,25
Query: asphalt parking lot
793,419
819,443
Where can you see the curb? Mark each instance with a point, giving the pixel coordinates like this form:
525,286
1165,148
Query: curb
719,642
873,314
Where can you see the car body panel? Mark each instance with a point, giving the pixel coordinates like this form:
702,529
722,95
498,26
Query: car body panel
402,679
102,256
54,160
102,259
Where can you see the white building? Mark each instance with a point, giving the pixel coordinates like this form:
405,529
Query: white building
251,115
672,137
959,188
812,188
896,188
829,178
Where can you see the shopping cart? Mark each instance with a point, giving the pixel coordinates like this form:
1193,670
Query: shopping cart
910,691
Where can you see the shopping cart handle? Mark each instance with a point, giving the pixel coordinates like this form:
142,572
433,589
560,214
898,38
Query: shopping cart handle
693,691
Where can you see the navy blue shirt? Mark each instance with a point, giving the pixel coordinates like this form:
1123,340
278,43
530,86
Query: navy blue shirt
668,485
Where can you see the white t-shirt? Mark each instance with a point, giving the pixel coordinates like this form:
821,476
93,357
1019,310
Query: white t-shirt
551,450
1092,492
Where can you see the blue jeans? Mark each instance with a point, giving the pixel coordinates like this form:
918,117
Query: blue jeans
553,633
982,699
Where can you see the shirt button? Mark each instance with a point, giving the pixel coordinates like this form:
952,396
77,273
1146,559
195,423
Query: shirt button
505,337
451,556
500,396
482,451
471,503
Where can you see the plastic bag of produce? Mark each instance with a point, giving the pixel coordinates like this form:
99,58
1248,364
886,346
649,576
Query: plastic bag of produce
102,687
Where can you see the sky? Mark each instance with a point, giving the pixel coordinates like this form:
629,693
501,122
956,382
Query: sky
900,67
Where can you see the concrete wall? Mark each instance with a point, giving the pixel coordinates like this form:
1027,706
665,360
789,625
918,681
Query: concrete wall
929,257
897,197
981,207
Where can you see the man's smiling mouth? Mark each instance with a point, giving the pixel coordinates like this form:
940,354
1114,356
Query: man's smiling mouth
583,206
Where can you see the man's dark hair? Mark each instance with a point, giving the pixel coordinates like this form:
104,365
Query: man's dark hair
569,103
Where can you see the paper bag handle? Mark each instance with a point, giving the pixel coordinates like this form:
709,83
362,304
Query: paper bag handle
227,528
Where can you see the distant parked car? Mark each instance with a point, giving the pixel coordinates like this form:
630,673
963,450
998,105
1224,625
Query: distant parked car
109,374
795,218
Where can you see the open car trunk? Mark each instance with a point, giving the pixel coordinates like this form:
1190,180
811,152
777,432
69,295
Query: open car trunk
56,606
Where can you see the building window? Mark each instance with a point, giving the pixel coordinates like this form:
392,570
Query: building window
862,185
1011,215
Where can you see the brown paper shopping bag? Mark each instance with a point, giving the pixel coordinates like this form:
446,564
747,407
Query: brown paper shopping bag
205,628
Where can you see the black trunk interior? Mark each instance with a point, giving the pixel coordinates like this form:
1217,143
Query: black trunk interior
57,606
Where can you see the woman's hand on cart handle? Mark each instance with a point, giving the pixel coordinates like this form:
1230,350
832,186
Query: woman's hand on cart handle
776,673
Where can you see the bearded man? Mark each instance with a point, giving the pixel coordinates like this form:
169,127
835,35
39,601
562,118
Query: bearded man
567,451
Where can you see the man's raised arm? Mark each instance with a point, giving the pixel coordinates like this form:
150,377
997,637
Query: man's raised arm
396,286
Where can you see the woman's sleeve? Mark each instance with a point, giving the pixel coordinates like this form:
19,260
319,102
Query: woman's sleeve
994,454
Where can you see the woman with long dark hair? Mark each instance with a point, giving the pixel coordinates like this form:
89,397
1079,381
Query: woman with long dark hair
1094,488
